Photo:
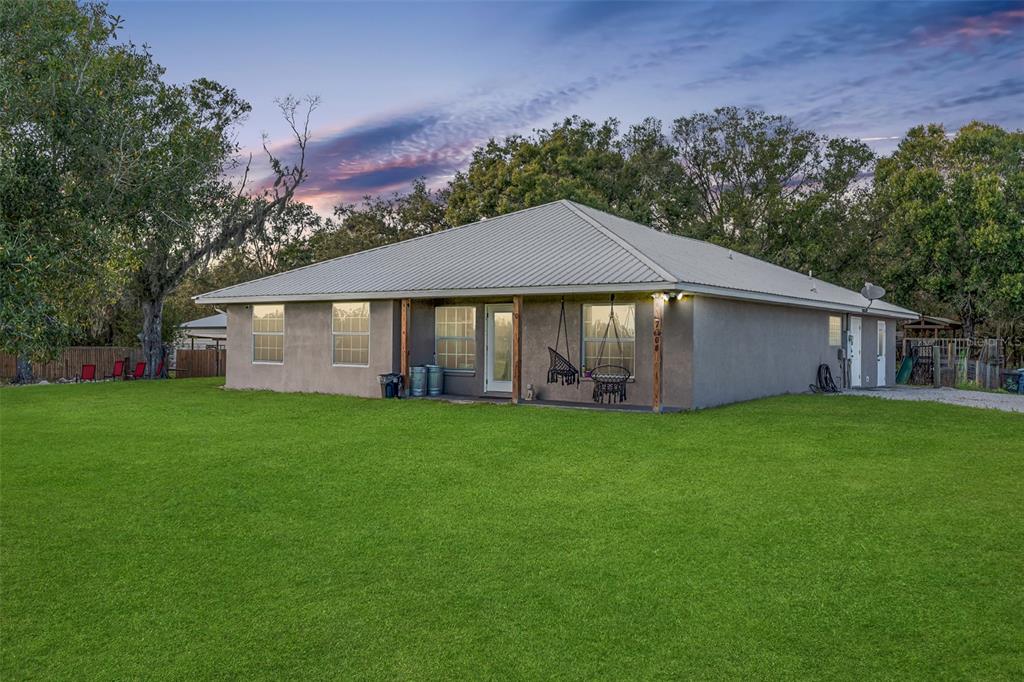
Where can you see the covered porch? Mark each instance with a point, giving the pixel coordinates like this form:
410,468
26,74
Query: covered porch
495,349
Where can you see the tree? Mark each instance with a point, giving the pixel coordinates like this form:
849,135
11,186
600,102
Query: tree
771,190
189,208
70,101
282,244
953,212
632,175
381,220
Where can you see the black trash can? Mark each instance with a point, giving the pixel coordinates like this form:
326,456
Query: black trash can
390,385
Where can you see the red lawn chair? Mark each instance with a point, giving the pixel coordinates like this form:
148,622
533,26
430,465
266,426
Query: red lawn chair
88,373
140,371
159,371
118,372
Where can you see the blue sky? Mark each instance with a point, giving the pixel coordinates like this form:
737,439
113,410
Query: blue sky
408,89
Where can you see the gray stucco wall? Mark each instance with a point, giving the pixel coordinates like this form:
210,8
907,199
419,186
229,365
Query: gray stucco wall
750,350
308,348
746,350
715,351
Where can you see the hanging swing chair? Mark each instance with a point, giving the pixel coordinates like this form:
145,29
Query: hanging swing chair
610,380
561,369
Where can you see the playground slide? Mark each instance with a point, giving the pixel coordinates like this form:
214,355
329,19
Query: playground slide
903,375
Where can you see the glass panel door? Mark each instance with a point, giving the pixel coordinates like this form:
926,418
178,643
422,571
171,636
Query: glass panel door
498,376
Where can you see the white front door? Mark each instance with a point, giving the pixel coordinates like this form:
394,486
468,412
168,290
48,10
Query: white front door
498,351
854,350
880,380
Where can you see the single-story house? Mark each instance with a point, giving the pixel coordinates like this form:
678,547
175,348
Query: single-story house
695,324
211,330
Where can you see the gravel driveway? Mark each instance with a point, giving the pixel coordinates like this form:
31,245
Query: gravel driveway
1006,402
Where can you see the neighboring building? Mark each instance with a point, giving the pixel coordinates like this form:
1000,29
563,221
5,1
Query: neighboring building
206,332
700,324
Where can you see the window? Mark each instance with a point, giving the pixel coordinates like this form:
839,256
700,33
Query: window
455,337
268,333
621,352
350,329
881,338
835,330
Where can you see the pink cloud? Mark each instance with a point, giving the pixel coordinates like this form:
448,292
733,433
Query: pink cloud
968,30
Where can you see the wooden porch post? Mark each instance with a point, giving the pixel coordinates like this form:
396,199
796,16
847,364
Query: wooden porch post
517,348
659,314
404,362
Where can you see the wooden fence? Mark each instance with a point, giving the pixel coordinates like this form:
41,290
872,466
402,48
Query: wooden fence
69,363
208,362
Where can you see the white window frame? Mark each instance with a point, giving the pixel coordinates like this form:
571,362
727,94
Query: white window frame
584,338
335,334
471,337
254,334
838,331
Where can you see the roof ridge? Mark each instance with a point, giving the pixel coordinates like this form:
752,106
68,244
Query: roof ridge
611,234
375,248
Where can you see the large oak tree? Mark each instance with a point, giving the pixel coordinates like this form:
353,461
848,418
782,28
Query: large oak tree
953,212
71,103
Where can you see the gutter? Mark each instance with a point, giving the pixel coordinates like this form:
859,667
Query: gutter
679,287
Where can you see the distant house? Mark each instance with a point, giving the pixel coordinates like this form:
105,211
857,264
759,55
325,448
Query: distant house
206,331
695,324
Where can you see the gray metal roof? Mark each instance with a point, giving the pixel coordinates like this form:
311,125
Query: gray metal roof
561,247
218,321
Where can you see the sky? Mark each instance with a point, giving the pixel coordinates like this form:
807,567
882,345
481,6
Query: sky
408,89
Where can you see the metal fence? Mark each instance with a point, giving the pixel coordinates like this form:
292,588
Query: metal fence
950,362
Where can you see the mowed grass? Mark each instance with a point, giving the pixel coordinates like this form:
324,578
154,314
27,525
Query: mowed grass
175,530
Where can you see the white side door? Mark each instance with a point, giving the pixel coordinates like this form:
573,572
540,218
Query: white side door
881,354
854,350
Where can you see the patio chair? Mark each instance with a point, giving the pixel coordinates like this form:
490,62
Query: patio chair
140,371
118,372
609,383
610,380
561,370
88,374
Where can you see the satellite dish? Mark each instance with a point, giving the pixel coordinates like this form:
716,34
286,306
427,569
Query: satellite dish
872,292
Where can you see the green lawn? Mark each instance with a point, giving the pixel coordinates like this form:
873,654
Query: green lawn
177,530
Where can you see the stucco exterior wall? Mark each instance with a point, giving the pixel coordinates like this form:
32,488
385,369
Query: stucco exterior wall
751,350
677,354
746,350
308,346
715,351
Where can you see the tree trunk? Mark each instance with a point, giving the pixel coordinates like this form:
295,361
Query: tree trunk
152,336
23,370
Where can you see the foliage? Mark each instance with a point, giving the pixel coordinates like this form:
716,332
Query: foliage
382,220
264,535
632,175
774,191
69,141
283,243
190,209
953,209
